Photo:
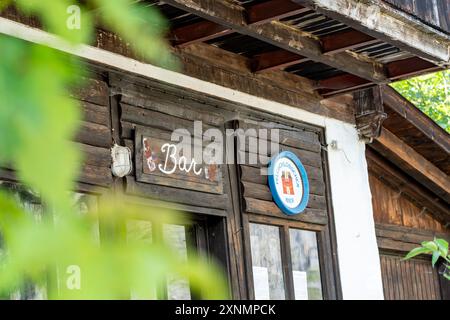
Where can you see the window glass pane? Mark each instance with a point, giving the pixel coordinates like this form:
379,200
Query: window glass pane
30,202
305,265
266,259
139,230
177,287
85,204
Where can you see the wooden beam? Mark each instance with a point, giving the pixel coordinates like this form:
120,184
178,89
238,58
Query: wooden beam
420,196
275,60
407,234
273,10
231,70
255,14
198,32
385,23
369,112
281,35
395,70
410,67
418,167
345,40
342,82
396,102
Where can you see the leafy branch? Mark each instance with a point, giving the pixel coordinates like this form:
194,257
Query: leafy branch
38,121
429,93
438,248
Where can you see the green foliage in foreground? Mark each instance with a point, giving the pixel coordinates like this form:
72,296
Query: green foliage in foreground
438,248
431,94
37,122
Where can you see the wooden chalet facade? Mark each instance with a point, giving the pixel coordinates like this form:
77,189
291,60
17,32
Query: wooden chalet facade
316,70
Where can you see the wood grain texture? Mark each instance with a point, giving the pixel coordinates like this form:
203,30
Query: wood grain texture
433,12
386,179
409,280
413,163
415,128
280,35
392,207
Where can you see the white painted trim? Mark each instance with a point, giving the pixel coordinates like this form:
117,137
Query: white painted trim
355,231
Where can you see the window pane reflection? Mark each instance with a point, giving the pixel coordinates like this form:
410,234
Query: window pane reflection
31,203
140,231
305,265
177,287
267,267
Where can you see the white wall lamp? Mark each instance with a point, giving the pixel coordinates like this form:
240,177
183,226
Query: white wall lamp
121,161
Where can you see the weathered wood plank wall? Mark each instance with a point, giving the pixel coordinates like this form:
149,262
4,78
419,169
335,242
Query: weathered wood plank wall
93,138
94,135
158,114
390,206
409,280
307,146
433,12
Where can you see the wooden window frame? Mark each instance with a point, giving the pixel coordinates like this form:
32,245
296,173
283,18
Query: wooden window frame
323,245
326,234
206,232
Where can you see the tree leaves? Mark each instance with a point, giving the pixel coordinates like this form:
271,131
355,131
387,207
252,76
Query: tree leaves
431,94
38,120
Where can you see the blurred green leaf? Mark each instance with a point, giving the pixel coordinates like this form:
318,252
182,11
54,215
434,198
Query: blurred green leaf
435,258
38,121
430,245
415,252
443,246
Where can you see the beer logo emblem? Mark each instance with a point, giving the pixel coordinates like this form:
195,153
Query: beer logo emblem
288,183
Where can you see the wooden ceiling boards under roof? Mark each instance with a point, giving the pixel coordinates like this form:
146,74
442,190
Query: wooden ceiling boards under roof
303,38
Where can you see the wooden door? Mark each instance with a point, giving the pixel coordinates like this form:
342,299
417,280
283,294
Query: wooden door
409,280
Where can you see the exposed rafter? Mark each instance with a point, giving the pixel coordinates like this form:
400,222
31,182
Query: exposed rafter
342,83
273,10
346,40
233,16
275,60
380,21
409,67
395,70
255,14
393,100
198,32
392,147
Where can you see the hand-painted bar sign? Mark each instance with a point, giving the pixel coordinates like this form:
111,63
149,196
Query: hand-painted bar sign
159,161
288,183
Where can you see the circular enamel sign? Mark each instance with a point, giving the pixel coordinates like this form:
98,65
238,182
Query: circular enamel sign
288,183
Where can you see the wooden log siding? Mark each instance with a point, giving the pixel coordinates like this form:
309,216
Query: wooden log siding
93,138
157,113
94,135
256,195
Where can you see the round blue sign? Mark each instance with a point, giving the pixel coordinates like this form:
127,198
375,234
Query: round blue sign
288,183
